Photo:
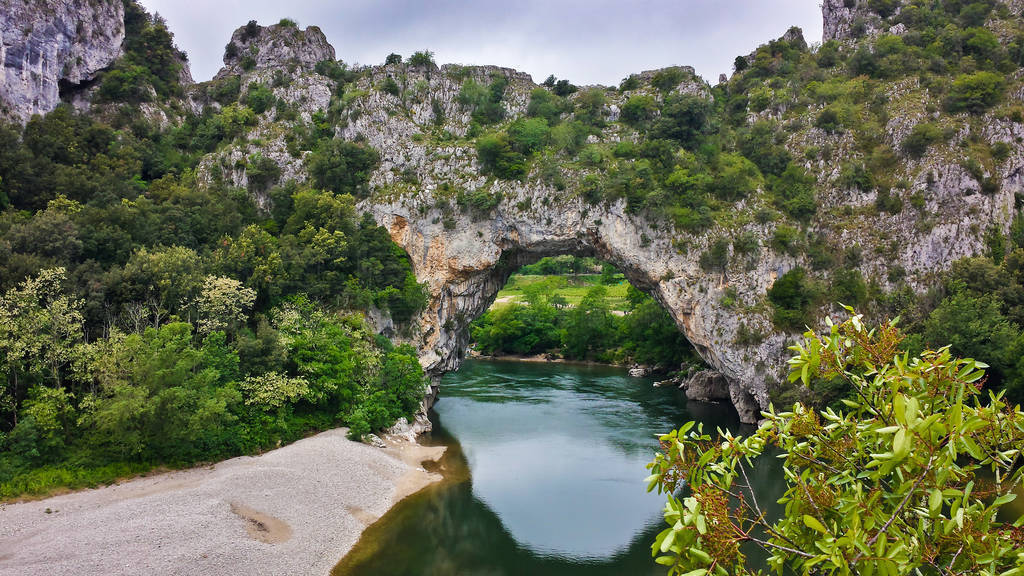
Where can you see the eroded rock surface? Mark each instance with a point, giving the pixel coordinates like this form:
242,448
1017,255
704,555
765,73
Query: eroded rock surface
45,44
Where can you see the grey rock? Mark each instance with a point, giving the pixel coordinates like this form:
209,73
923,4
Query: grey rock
48,44
637,371
706,386
375,441
276,47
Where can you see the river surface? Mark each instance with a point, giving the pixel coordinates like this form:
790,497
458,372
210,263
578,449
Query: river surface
543,476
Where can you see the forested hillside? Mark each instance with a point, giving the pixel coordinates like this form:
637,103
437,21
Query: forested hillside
147,319
191,271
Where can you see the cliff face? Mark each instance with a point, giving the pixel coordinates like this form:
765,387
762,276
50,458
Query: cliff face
282,47
937,206
47,43
429,167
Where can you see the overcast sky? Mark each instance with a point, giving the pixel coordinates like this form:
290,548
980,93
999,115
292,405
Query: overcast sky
585,41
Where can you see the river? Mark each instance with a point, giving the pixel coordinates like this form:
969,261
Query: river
544,476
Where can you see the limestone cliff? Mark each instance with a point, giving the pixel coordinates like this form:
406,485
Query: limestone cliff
47,44
898,232
282,47
429,166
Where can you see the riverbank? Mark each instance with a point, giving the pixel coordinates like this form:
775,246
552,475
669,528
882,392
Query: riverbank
294,510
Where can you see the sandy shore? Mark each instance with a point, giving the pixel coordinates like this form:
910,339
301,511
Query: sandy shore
295,510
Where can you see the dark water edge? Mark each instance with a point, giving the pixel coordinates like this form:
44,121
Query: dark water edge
448,528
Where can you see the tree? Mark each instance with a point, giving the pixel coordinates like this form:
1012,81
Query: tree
976,92
684,118
222,304
422,59
891,485
342,166
40,328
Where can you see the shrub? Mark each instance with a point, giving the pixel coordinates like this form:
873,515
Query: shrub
393,59
791,296
343,167
735,177
639,109
391,87
685,119
885,484
495,154
856,175
920,138
259,97
668,78
975,92
793,193
544,104
261,172
590,107
716,257
528,135
422,59
786,240
630,83
226,90
829,120
849,288
563,88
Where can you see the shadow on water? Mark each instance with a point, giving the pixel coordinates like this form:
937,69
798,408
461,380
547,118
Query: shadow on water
525,440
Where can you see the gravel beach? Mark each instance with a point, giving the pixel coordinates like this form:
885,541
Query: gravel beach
295,510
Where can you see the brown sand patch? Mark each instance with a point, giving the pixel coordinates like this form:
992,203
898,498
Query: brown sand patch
364,517
263,527
414,455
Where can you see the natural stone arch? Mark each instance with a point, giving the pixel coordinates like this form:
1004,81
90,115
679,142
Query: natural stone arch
466,262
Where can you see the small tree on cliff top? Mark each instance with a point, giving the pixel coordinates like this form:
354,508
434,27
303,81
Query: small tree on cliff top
908,480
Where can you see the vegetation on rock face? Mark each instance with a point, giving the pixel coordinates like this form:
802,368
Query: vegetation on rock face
909,476
575,316
150,238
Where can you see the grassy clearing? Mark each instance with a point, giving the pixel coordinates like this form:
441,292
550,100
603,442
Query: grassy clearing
573,289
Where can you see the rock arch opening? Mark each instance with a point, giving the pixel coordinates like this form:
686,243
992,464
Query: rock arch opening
466,258
582,309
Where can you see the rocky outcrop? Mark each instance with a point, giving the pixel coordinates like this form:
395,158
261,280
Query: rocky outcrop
706,386
464,253
46,45
282,47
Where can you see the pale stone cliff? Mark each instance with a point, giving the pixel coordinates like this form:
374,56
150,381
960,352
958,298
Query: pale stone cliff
464,255
47,44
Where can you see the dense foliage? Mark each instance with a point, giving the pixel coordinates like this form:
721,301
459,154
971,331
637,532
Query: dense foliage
148,317
546,322
907,478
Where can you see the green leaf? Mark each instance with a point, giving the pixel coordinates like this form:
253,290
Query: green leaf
934,502
814,524
697,572
1004,499
666,560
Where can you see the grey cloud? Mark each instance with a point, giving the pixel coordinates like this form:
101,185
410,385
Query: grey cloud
588,42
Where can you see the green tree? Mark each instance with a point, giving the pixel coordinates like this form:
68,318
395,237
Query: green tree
976,92
888,485
343,167
222,304
495,153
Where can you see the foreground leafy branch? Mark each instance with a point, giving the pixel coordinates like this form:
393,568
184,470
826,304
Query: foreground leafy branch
908,479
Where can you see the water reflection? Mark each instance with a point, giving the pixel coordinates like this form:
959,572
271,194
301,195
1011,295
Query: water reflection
544,476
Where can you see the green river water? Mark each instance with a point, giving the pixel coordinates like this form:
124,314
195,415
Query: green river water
543,476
